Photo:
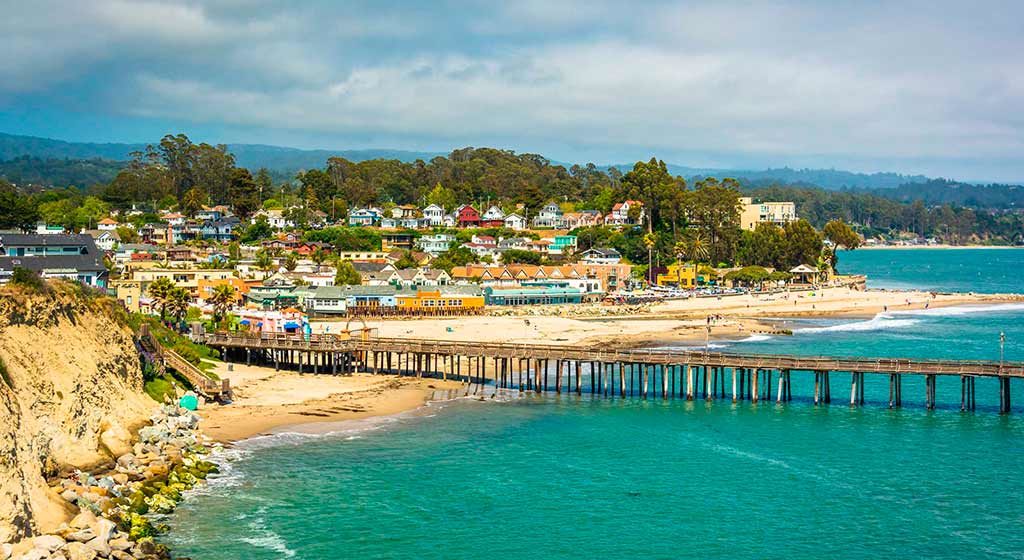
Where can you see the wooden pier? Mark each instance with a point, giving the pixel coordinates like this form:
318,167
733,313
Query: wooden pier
689,374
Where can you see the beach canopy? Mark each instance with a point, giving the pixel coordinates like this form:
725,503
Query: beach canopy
291,325
189,401
290,310
243,322
803,269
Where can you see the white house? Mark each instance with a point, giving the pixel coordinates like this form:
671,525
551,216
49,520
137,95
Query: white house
174,219
107,224
493,214
619,215
275,218
515,222
436,244
434,215
106,240
600,255
550,216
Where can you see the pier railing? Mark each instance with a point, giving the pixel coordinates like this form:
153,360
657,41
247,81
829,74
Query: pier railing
342,343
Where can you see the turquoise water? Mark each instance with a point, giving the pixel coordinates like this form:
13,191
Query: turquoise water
954,270
569,477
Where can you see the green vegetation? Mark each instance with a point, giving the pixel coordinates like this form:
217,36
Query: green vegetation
347,275
28,280
196,354
4,375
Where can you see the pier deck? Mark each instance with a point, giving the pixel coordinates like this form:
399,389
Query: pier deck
751,374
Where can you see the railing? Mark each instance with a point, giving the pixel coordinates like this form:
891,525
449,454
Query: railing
335,343
170,359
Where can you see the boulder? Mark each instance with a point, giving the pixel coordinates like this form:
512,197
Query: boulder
117,440
83,535
85,519
100,546
79,551
35,554
126,460
5,550
153,434
120,543
120,555
49,543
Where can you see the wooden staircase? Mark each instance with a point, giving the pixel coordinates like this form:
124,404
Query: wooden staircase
165,358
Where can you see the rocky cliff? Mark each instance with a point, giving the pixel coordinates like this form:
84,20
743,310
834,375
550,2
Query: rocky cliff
71,391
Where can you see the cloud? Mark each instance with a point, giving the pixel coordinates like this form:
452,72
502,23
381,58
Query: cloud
930,88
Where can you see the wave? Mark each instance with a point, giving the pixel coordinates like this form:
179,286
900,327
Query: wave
756,338
957,310
882,321
265,538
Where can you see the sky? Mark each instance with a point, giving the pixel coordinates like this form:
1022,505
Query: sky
932,87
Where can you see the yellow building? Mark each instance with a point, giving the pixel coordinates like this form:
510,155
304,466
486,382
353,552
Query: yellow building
435,302
778,213
682,275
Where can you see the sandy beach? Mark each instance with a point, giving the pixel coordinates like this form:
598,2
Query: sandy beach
675,320
266,400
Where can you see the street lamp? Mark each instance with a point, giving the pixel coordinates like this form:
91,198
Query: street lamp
1002,342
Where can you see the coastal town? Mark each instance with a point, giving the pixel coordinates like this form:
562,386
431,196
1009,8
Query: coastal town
423,262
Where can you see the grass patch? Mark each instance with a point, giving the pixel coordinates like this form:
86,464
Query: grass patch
159,387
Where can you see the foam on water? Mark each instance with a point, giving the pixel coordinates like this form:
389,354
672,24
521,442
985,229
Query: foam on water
882,321
262,537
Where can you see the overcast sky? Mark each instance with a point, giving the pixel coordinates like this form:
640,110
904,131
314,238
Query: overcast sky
930,87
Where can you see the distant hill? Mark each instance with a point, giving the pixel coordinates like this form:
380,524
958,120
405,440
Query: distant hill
940,191
831,179
252,156
286,161
82,173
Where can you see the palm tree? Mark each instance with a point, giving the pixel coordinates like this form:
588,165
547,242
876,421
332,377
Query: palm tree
291,263
221,299
178,302
264,262
160,291
319,256
697,247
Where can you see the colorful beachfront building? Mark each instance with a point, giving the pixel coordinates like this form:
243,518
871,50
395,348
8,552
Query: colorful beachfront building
440,303
539,293
680,275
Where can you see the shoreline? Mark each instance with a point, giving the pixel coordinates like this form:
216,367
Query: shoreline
268,401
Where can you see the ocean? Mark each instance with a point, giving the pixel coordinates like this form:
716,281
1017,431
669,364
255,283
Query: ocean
569,477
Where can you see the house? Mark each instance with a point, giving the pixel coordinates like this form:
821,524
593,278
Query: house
107,224
106,240
415,277
373,273
220,229
174,219
585,218
364,217
493,217
73,257
413,223
436,244
515,222
43,229
467,216
620,214
204,288
778,213
275,218
363,256
591,279
389,223
600,255
562,244
392,241
550,216
208,214
405,211
483,250
434,215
